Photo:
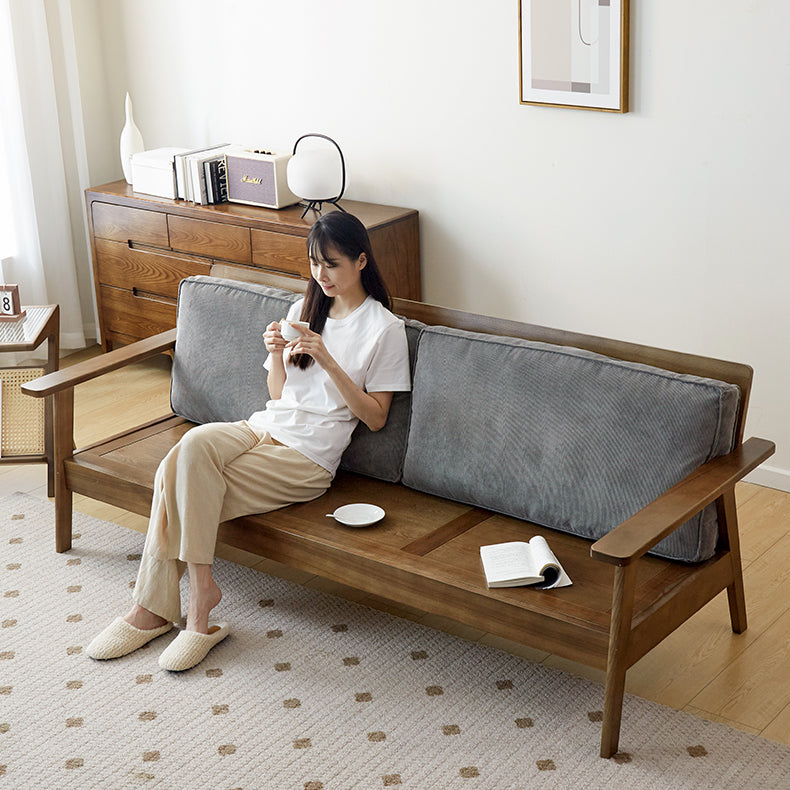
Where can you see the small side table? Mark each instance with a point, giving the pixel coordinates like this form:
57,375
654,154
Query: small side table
26,424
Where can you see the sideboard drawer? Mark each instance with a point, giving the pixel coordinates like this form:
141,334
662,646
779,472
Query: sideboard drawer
210,239
121,223
133,315
146,270
280,252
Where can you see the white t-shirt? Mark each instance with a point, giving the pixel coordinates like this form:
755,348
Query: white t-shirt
311,416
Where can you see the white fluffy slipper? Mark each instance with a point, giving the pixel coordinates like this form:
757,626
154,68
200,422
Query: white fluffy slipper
189,648
120,638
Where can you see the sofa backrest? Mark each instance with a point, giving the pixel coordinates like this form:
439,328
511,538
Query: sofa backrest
560,436
551,434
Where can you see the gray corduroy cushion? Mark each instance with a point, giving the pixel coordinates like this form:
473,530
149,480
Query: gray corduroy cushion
218,373
559,436
380,454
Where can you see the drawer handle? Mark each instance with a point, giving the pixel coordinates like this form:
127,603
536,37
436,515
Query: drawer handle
151,297
168,252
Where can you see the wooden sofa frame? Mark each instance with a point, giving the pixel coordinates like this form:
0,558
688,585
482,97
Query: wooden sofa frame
424,554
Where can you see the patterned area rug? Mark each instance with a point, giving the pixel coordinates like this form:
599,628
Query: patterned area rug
309,692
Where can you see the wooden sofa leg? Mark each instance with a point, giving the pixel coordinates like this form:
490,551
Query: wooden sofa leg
728,528
64,446
49,443
617,662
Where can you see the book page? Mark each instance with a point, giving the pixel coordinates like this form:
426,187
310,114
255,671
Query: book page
544,562
517,563
548,565
509,562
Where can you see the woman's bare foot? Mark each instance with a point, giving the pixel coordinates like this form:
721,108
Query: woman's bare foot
143,619
204,595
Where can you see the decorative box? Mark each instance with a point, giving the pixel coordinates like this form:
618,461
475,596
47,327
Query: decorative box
153,173
258,179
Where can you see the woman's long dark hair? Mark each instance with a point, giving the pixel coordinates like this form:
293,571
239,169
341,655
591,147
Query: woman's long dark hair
348,236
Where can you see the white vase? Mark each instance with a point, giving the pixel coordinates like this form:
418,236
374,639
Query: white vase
131,142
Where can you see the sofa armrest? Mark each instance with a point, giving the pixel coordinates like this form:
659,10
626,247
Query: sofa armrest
92,368
627,542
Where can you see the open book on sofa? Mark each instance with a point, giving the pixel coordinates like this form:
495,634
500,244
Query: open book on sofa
519,563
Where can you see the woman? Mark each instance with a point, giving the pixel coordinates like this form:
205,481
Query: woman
343,369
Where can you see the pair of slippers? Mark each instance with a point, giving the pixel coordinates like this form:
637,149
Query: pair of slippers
187,650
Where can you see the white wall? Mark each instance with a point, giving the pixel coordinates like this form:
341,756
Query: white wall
664,226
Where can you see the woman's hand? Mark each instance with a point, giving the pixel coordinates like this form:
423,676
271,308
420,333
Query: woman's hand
273,340
370,407
275,345
312,344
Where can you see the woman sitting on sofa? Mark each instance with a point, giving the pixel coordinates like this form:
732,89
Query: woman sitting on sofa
343,369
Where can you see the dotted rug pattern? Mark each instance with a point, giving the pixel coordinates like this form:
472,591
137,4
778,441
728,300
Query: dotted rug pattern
309,692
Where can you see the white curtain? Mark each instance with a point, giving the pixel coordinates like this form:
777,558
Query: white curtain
41,147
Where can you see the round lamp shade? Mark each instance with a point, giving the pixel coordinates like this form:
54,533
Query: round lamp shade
315,174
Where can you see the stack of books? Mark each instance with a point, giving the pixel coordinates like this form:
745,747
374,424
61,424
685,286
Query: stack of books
200,174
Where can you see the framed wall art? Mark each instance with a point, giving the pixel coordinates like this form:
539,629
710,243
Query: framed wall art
574,53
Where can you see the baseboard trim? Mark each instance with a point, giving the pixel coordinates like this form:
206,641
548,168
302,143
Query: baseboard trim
770,476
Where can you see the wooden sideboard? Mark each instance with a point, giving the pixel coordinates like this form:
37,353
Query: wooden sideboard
143,246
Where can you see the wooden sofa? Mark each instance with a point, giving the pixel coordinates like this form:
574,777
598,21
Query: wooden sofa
425,554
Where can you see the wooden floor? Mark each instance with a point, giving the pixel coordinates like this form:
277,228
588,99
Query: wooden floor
741,680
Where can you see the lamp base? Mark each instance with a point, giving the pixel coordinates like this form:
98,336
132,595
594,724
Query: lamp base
316,205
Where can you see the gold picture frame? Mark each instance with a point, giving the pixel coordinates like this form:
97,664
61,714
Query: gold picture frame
574,53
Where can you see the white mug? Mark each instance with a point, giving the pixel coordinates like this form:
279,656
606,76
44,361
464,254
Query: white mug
289,331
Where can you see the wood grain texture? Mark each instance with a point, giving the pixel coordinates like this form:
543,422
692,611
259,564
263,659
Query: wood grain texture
280,252
248,274
210,239
145,269
755,684
617,658
120,223
452,529
729,538
397,251
64,444
137,315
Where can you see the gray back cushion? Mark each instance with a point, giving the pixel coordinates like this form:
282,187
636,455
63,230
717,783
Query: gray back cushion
218,373
380,454
559,436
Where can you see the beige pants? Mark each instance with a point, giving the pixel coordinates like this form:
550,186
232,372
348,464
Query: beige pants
216,472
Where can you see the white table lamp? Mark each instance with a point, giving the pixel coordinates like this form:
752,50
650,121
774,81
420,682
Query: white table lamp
317,175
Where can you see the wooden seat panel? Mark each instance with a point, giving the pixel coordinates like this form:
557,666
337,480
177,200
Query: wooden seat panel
420,533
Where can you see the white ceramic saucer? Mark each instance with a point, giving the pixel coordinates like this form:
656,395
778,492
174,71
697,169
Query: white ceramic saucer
358,515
